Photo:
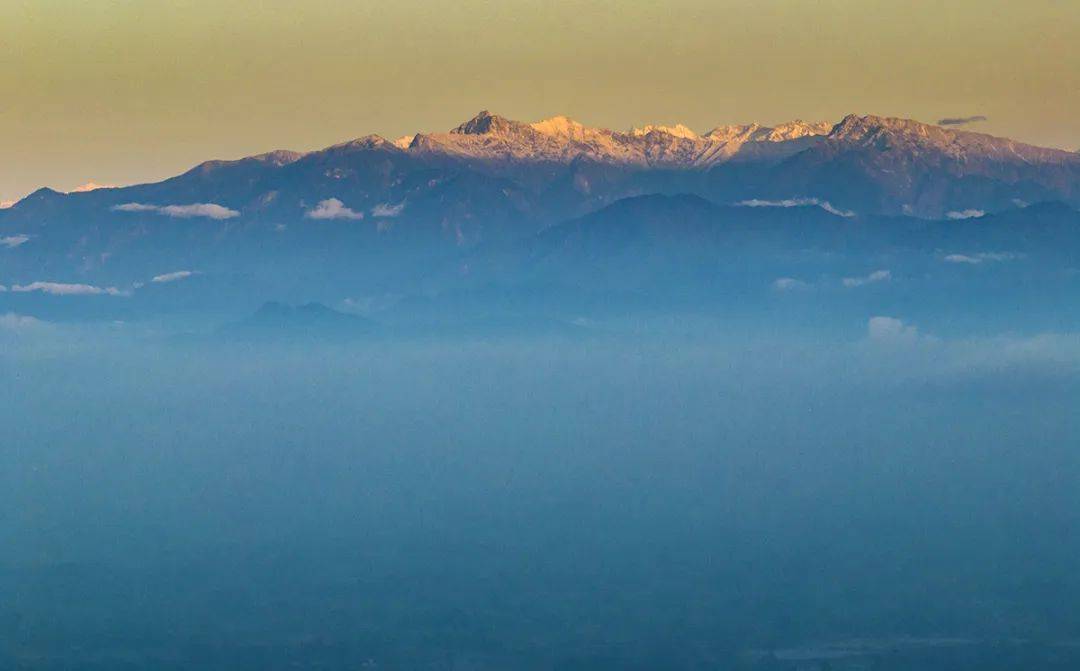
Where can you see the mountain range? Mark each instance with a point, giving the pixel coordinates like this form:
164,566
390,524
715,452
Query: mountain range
497,202
557,167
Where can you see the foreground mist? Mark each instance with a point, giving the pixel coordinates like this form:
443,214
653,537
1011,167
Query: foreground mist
878,499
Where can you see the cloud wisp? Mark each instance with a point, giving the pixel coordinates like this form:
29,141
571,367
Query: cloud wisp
387,210
207,210
797,202
332,208
135,207
965,214
792,284
961,121
165,278
67,289
13,241
881,328
873,278
981,257
14,322
789,284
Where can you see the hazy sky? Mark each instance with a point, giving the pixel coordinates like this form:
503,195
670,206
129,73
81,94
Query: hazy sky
120,91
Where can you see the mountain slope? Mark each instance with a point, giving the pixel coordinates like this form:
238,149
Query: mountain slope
371,205
894,166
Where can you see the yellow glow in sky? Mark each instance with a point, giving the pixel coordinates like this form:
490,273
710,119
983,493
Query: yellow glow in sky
122,91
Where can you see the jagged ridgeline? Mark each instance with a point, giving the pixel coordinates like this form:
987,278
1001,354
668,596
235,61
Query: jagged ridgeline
487,201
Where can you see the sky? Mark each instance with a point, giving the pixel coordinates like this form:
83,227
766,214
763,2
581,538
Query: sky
128,91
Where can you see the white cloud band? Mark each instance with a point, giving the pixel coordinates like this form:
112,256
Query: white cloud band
207,210
332,208
65,289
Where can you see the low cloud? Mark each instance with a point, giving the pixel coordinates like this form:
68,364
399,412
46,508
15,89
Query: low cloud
172,277
64,289
965,214
332,208
796,202
208,210
917,356
872,278
16,322
135,207
961,121
789,284
963,258
387,210
890,329
981,257
13,241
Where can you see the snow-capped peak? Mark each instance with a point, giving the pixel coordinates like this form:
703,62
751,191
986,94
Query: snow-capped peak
366,142
559,126
733,132
678,130
489,137
798,128
792,130
90,186
483,123
915,136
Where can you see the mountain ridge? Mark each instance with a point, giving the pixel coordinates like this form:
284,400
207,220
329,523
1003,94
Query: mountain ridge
528,175
579,138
